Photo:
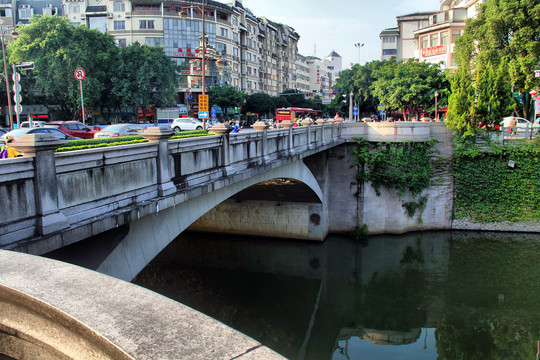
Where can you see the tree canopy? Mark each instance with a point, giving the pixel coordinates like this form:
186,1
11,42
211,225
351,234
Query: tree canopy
226,97
499,50
115,78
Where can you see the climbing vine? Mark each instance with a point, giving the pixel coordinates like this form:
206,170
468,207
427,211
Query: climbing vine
496,183
404,167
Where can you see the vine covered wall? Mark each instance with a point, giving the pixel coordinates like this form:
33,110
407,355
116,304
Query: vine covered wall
497,183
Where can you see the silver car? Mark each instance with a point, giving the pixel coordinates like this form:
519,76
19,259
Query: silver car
117,130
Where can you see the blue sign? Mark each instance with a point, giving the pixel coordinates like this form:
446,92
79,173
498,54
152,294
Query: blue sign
214,112
355,108
355,113
203,114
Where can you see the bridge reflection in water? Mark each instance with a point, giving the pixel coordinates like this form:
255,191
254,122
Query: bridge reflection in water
451,294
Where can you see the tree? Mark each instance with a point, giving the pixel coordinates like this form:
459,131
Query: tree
508,32
226,97
406,85
57,49
143,76
260,103
280,101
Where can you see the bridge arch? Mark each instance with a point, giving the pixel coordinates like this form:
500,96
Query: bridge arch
149,235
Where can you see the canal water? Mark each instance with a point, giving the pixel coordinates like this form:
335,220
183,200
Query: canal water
429,295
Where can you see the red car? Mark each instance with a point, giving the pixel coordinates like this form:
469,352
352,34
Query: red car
73,128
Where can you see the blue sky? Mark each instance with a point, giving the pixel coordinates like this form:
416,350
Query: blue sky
339,24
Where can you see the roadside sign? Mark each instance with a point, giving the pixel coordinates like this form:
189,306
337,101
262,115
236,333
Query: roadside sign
203,114
355,108
355,112
203,102
18,109
79,74
380,107
214,112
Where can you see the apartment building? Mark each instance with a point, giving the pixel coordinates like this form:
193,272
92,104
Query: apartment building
429,36
259,55
302,75
437,39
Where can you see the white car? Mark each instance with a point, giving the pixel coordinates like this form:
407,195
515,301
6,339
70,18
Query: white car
520,122
183,124
27,124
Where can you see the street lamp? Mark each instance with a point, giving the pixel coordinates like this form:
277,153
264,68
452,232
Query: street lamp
219,63
359,46
14,35
436,112
351,106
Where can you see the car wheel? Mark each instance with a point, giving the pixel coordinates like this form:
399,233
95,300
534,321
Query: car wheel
199,128
176,129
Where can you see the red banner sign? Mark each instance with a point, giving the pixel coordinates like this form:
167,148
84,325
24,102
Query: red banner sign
435,50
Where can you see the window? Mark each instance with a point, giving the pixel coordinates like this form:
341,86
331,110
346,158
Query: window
389,52
235,36
221,48
121,42
75,23
235,21
444,38
5,12
119,6
235,52
74,8
425,42
146,24
25,12
456,34
119,25
153,41
248,27
433,40
49,10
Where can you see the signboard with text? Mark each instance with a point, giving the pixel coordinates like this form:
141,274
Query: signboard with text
434,50
203,102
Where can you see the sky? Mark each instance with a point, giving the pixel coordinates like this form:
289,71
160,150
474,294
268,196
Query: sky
337,25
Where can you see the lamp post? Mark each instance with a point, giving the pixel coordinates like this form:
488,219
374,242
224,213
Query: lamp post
436,112
14,34
219,63
351,106
359,46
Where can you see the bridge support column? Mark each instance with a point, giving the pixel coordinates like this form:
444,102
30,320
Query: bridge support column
160,135
41,147
323,139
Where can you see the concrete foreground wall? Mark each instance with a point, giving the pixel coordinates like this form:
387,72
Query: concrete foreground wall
53,310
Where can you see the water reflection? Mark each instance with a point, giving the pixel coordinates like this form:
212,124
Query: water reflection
437,295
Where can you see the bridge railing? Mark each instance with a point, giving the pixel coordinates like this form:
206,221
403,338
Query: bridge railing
69,196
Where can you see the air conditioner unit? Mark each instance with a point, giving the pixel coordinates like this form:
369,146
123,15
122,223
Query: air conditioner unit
24,7
48,6
110,15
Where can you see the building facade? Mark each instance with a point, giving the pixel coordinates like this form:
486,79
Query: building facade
429,36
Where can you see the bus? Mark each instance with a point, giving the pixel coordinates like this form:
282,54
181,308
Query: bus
293,113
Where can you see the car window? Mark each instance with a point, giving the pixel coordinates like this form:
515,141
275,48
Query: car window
71,126
38,131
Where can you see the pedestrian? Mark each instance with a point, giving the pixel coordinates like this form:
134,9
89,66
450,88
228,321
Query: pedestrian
236,128
336,117
7,151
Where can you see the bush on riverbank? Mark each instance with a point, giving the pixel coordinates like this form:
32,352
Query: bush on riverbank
123,140
497,183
